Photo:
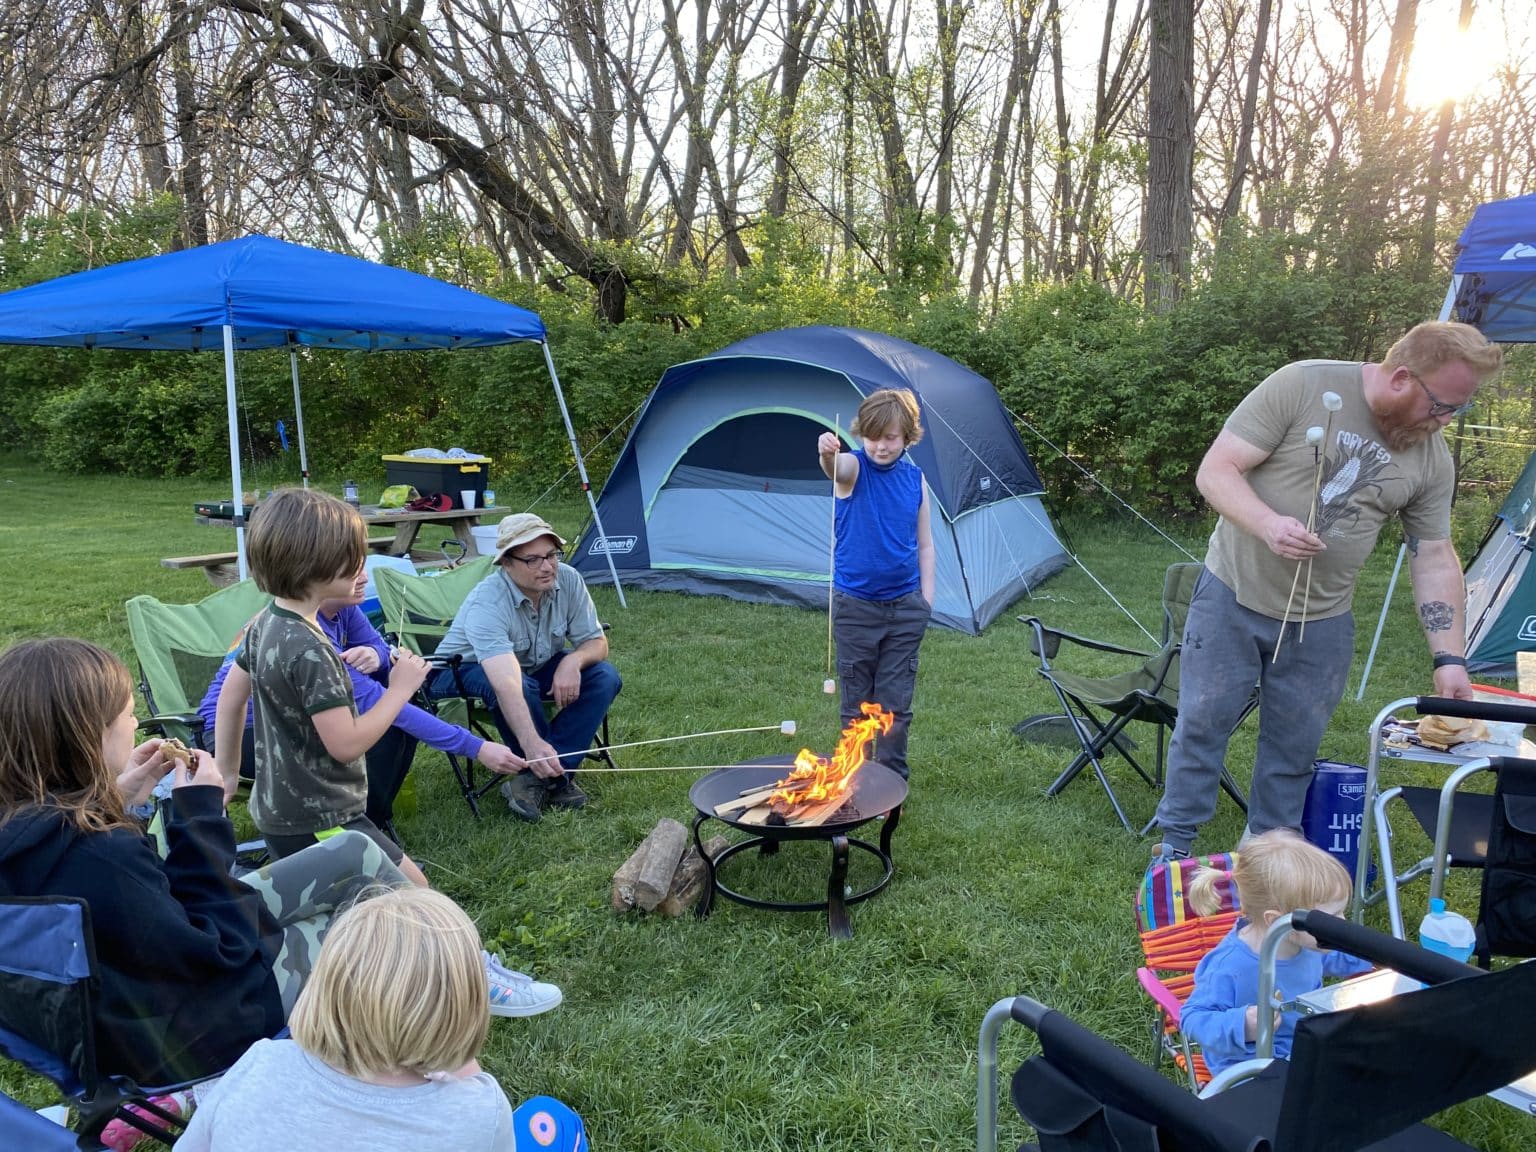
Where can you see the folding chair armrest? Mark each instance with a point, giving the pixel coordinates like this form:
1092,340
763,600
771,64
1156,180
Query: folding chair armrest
1044,646
1160,994
1408,959
163,722
1475,710
1443,814
1235,1074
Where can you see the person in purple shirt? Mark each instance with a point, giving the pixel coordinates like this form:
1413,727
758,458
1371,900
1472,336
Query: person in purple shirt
366,656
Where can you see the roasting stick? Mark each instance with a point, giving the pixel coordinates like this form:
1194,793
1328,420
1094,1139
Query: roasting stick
829,685
1315,436
784,727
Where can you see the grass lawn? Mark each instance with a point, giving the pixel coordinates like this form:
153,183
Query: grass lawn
752,1029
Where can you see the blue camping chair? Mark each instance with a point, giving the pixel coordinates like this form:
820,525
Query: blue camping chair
48,982
20,1127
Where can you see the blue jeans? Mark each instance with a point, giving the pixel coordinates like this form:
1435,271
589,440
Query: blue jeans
1226,651
572,729
877,643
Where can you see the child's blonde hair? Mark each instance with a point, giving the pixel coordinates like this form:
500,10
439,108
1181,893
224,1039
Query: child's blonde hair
399,986
301,537
886,409
1275,871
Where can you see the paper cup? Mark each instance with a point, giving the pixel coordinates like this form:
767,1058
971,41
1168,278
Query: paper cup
467,498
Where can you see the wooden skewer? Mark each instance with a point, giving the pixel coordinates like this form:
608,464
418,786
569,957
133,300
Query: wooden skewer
1317,481
828,686
787,727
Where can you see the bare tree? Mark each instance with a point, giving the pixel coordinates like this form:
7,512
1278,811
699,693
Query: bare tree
1170,153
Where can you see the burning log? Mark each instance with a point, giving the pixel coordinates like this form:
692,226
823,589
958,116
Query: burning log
818,787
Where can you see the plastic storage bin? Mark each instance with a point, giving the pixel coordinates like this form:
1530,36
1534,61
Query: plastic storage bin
428,475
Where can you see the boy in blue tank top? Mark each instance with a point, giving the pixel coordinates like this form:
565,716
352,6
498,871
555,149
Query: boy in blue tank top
882,563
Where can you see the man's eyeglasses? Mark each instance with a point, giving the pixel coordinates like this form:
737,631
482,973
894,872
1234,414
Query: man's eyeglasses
543,558
1437,406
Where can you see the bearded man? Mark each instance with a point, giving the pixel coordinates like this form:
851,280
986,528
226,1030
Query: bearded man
1375,429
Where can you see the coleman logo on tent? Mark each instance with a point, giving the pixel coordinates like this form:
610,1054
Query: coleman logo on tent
1520,252
616,545
1528,628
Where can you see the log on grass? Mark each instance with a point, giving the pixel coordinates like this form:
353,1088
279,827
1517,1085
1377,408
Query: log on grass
654,880
691,876
626,893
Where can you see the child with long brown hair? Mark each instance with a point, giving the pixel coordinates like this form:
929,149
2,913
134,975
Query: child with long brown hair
1276,872
195,965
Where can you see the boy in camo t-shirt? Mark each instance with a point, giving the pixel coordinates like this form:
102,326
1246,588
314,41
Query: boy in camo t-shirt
306,547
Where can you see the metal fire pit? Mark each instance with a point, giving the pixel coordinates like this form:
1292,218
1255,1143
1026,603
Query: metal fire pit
877,791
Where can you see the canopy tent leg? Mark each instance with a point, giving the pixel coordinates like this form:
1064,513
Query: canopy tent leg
234,447
581,470
298,411
1365,676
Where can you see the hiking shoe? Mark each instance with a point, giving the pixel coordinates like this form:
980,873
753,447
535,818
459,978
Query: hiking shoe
1166,853
516,994
524,794
563,793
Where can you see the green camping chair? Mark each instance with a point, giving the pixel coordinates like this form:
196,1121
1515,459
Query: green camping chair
418,611
1098,708
180,648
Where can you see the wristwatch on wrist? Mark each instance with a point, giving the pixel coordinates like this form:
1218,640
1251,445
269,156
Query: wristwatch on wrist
1446,660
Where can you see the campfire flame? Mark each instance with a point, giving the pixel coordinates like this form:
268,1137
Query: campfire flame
816,778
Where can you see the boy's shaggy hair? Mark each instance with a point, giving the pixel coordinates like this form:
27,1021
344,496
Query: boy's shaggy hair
887,409
301,537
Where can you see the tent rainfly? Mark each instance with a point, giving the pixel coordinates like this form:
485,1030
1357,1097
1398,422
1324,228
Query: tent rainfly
257,292
718,489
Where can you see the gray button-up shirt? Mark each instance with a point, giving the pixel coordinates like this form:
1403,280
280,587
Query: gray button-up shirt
498,617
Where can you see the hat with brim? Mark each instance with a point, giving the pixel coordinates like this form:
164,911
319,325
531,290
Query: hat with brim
522,528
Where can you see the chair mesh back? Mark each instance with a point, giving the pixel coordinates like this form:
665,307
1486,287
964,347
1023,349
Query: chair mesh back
1508,906
205,629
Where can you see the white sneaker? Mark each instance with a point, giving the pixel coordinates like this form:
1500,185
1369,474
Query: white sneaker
515,994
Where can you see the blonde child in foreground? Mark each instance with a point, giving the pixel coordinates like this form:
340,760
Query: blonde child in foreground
1276,872
385,1039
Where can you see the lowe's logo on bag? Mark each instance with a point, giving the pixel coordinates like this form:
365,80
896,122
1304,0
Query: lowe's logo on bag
1528,628
1352,790
614,545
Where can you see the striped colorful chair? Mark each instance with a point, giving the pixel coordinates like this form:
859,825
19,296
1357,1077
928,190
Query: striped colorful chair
1174,938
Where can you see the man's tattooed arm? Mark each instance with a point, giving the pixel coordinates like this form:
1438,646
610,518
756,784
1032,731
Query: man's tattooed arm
1436,616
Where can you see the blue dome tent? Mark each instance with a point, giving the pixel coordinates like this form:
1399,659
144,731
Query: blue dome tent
257,292
718,489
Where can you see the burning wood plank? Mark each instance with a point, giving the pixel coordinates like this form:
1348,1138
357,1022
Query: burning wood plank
817,787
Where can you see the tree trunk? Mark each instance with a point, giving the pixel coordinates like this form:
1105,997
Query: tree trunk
1242,157
1170,153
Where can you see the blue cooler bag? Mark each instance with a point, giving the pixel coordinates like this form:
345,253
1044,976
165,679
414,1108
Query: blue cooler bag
1335,812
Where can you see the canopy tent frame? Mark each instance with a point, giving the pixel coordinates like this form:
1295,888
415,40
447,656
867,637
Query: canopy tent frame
259,292
1492,288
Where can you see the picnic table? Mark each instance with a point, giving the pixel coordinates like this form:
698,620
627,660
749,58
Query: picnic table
222,568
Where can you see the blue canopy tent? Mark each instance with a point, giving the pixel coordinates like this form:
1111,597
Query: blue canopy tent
257,292
1493,288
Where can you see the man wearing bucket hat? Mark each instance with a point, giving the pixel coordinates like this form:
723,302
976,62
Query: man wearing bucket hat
528,635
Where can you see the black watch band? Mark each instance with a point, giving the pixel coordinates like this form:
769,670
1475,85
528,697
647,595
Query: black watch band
1446,660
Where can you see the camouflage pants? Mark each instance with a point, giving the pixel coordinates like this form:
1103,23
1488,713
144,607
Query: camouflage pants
304,892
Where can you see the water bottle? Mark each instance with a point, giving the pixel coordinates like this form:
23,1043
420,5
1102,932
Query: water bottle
1449,933
349,493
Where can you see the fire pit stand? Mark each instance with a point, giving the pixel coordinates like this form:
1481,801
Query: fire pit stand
877,791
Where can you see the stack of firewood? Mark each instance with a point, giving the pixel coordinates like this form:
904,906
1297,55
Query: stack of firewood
665,874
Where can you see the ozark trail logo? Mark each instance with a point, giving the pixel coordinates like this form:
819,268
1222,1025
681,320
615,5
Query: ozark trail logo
1520,251
612,545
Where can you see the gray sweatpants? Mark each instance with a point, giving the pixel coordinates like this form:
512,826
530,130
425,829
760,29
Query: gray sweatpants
877,643
303,892
1227,650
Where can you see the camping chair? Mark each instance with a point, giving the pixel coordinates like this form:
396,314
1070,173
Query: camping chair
1174,939
20,1127
48,982
1468,818
1358,1077
418,611
180,648
1099,707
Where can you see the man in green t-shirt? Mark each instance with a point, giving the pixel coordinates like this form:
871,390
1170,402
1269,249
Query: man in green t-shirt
1376,430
